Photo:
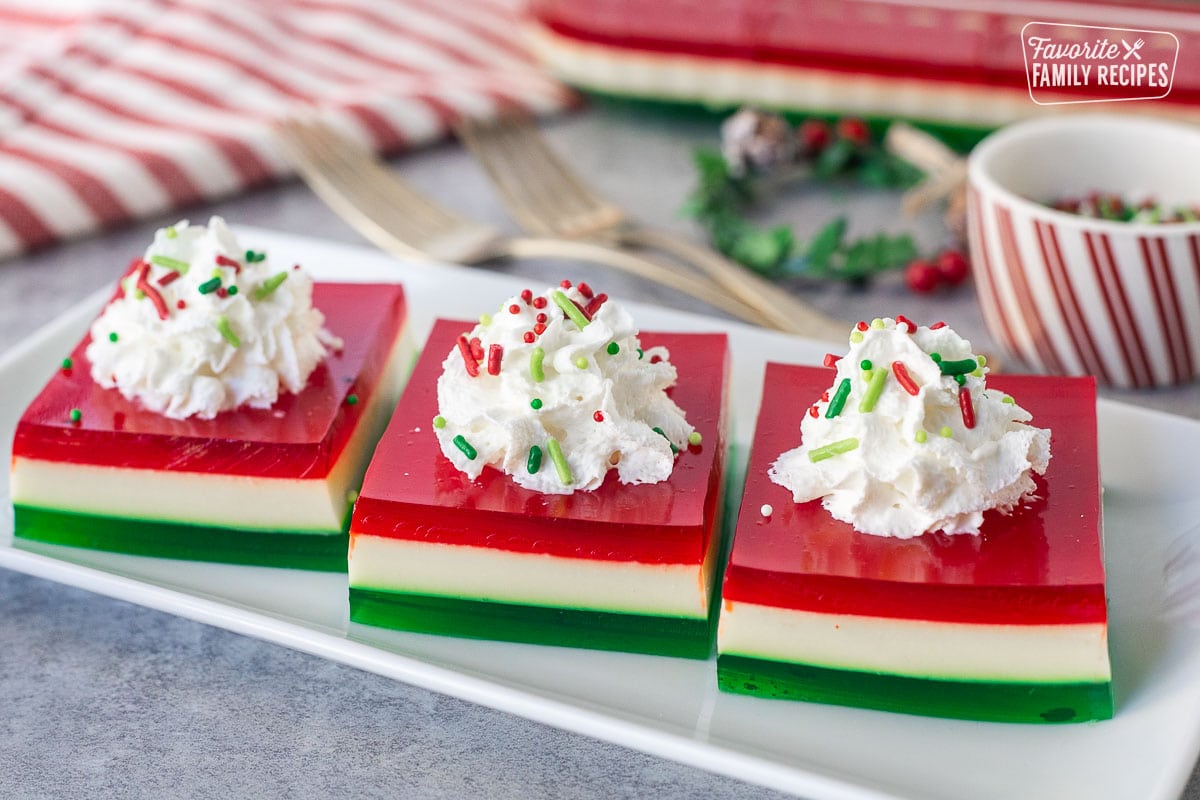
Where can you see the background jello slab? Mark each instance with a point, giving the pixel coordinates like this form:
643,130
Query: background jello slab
257,486
1011,624
623,567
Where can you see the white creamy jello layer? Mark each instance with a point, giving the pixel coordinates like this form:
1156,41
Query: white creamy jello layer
917,648
294,505
490,575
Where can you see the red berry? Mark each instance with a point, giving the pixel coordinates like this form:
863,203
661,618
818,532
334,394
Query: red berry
953,267
922,276
812,136
854,130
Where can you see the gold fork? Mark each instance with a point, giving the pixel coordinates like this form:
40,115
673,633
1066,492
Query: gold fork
547,197
401,220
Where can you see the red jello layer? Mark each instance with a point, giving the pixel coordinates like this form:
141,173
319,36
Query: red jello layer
1042,564
412,491
301,436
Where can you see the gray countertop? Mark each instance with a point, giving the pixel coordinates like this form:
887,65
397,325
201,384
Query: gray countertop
103,698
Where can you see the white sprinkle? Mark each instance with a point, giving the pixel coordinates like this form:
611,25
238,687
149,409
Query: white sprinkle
766,510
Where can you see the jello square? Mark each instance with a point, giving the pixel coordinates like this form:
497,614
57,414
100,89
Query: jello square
624,567
251,486
1009,625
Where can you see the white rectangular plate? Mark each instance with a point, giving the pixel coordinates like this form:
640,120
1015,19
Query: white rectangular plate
671,707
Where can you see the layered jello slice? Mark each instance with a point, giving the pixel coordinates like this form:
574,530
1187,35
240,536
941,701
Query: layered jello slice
624,566
1009,624
269,486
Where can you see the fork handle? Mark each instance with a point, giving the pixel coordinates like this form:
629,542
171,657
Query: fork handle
776,307
664,274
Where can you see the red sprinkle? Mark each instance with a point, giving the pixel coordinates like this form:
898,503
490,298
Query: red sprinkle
514,309
180,303
831,360
540,318
168,279
469,360
655,359
527,296
586,314
825,397
529,337
862,326
813,411
539,329
585,290
964,404
539,302
151,293
295,266
906,322
566,284
598,416
222,291
495,353
904,379
476,348
594,304
225,261
935,326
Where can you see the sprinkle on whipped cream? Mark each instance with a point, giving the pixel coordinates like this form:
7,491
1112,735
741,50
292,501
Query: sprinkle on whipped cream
555,390
200,326
909,439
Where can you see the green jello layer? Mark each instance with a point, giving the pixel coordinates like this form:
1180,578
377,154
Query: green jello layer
474,619
315,551
988,701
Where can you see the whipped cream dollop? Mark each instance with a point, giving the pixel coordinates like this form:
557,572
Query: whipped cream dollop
201,325
555,390
910,439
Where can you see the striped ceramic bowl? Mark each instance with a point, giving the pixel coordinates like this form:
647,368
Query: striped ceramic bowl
1077,296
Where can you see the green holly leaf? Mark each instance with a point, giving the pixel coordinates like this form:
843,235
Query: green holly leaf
825,243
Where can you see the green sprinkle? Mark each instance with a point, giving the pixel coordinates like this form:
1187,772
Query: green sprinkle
216,273
1008,399
75,415
839,399
254,257
232,291
138,294
535,365
570,309
223,327
351,399
660,432
856,336
67,363
982,360
832,449
960,379
921,436
937,357
485,319
465,446
874,389
877,324
694,438
641,352
112,337
210,286
558,459
865,365
534,462
946,432
959,367
268,287
581,362
171,232
439,422
173,264
535,403
613,348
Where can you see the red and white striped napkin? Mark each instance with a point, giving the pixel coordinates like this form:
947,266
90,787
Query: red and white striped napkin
112,110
